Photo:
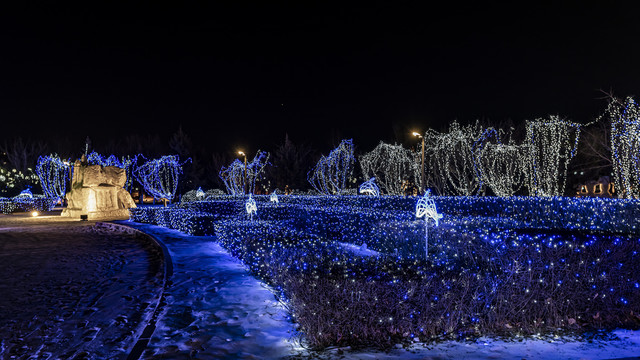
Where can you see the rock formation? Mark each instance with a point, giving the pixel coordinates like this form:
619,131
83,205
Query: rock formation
98,192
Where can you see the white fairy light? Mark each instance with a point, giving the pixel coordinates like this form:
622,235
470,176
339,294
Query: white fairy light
452,159
551,143
625,146
502,167
392,166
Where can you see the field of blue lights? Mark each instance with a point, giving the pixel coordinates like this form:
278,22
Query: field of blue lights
364,270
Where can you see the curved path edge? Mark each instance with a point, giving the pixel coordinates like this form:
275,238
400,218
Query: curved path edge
144,338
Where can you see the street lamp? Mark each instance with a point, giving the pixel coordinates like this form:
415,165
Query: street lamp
422,179
245,170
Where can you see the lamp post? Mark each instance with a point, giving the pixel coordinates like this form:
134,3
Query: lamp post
245,170
422,179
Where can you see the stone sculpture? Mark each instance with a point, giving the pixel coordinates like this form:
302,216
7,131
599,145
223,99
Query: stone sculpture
97,191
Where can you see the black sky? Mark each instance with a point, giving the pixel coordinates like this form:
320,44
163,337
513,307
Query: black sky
244,75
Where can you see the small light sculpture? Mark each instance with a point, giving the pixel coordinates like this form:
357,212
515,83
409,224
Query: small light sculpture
426,207
369,187
199,194
251,207
274,197
26,193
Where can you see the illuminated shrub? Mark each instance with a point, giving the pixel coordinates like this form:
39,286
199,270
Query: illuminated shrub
496,266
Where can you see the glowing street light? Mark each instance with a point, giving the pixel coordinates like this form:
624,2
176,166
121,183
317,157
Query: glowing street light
422,179
245,170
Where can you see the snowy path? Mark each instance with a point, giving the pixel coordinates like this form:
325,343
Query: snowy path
215,308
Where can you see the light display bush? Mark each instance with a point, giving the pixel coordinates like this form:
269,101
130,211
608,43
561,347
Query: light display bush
21,204
488,272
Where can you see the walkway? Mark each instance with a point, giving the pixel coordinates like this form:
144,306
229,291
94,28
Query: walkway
215,309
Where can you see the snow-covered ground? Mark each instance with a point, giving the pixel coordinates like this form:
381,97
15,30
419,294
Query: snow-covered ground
215,308
69,291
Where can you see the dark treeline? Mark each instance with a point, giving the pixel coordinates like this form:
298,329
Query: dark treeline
289,160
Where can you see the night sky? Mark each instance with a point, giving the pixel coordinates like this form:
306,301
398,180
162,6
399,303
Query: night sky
244,75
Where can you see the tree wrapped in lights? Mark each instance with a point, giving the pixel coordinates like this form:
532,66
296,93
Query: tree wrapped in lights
502,167
452,157
551,143
159,177
332,173
233,177
53,174
499,166
235,174
128,163
94,158
625,146
393,166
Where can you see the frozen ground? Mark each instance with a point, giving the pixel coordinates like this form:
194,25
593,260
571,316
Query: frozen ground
68,291
215,308
72,292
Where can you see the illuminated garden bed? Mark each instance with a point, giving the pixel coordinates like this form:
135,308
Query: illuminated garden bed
484,275
23,204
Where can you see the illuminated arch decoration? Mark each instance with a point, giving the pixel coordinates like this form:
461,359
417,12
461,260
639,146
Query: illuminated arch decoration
274,197
160,177
426,207
369,187
251,207
332,173
53,174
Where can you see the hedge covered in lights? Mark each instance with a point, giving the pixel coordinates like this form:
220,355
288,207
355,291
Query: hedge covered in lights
388,224
552,213
22,204
487,272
